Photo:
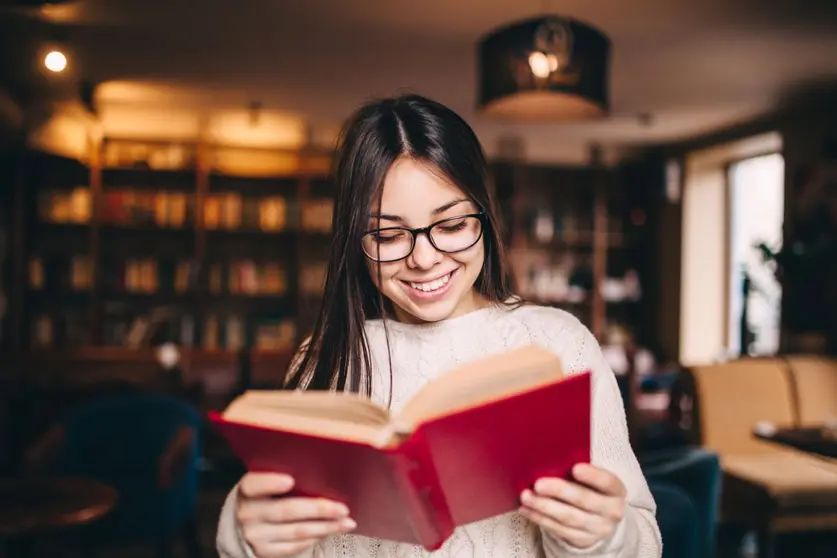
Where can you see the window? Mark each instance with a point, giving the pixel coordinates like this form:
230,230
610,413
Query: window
710,185
756,188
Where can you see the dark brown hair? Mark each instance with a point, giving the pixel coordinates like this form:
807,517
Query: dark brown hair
336,356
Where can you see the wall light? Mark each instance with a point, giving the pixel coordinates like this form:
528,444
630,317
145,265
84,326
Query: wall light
55,61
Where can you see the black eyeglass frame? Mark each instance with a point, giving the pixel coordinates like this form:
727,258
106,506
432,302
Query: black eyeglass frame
414,233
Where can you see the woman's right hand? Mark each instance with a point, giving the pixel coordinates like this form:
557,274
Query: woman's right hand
276,527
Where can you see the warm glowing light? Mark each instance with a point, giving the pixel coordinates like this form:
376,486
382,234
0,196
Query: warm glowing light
553,62
539,63
55,61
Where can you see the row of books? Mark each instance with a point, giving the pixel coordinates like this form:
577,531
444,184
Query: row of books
221,211
248,277
139,155
75,273
66,207
151,275
233,211
230,332
69,328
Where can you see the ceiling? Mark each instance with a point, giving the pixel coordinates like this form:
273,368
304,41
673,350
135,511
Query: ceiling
679,68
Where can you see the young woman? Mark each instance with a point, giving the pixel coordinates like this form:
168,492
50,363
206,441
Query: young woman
418,283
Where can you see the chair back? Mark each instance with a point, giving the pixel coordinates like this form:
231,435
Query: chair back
733,397
118,440
815,381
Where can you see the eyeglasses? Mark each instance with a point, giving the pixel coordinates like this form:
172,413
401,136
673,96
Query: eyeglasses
449,236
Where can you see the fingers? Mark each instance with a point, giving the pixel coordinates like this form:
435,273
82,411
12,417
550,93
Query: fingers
291,510
580,512
276,527
599,479
581,497
561,512
571,535
264,485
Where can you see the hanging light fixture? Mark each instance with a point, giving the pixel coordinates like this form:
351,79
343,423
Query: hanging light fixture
545,68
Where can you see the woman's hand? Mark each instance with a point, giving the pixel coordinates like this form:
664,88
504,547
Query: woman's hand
580,513
276,527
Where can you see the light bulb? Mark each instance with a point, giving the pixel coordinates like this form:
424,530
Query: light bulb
168,355
55,61
540,64
553,62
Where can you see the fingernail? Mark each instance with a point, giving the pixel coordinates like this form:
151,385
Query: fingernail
341,510
286,482
348,524
526,495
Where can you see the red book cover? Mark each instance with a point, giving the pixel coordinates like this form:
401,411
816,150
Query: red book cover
452,470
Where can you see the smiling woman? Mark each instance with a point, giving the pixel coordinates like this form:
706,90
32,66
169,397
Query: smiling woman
404,165
417,284
426,273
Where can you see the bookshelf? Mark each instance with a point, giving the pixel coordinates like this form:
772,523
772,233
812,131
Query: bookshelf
220,250
575,237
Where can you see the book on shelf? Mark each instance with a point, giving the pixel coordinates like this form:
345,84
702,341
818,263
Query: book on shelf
138,208
65,206
462,449
232,211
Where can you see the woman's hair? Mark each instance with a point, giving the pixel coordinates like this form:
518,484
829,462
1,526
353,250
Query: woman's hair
336,356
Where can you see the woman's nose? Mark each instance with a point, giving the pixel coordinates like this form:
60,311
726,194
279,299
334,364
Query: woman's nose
424,255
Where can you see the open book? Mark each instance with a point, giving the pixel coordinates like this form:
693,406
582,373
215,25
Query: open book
462,449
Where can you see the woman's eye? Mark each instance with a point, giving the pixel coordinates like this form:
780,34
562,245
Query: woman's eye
385,237
453,227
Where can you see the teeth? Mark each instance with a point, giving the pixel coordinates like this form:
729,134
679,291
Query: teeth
431,286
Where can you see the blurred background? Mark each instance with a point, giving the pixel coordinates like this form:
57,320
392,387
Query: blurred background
667,172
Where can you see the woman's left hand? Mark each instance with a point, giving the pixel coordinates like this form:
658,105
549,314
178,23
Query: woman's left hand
580,513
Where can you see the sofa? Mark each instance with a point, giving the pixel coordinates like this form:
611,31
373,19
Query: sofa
768,487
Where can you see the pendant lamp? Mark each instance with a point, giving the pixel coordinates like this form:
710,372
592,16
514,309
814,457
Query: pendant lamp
549,68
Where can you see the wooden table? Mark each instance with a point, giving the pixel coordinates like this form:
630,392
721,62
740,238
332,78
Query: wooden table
35,506
814,440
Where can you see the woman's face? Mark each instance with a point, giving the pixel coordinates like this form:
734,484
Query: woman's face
428,285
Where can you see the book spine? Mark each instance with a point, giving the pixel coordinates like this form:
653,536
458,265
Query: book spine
422,492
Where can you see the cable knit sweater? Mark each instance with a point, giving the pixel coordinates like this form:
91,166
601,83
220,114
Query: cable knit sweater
423,352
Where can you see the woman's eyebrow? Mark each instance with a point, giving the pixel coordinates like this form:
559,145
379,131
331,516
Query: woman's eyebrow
439,210
447,206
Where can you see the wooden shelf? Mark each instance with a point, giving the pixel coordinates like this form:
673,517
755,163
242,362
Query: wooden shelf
111,243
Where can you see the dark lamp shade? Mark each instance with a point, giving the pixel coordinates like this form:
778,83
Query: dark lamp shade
546,68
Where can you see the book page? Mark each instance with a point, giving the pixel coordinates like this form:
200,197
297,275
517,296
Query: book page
480,382
311,425
344,407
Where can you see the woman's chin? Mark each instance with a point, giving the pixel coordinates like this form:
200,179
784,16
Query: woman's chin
428,313
411,314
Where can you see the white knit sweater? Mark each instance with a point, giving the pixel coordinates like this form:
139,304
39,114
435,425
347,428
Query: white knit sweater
423,352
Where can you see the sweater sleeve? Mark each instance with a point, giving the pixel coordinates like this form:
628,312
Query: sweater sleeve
229,541
637,535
